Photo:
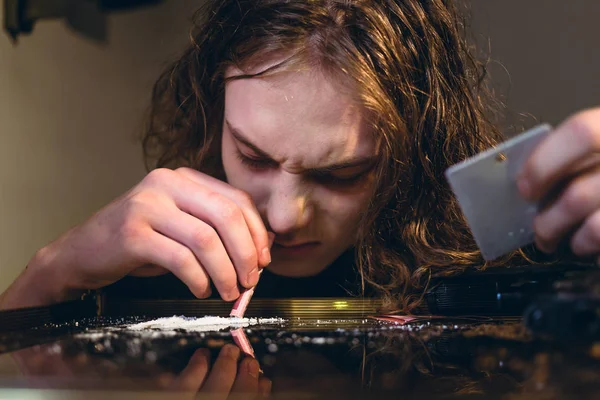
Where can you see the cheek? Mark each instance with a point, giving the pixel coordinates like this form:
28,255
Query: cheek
353,202
344,209
340,217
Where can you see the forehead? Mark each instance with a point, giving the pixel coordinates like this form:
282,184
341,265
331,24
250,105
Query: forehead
301,118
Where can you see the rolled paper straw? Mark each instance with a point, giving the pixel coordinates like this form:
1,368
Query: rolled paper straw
240,305
241,340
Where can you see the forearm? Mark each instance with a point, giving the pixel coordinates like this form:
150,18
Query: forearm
40,284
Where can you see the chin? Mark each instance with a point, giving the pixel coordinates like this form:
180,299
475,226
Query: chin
299,268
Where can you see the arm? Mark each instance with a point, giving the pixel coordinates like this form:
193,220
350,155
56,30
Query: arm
193,225
38,285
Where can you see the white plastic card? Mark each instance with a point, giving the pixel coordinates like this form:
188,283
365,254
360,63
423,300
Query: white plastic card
485,186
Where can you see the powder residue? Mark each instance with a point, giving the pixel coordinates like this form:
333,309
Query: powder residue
203,324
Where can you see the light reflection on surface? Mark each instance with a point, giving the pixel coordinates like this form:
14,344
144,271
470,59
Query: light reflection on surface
330,357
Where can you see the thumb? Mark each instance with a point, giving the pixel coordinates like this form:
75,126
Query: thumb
271,238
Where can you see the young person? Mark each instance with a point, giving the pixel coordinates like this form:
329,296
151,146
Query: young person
324,128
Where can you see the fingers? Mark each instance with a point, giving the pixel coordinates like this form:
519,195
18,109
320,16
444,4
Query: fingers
580,199
243,200
216,222
247,378
223,374
586,241
160,250
193,375
149,270
205,243
264,387
554,158
221,213
226,376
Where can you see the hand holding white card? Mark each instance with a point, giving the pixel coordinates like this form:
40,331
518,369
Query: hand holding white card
485,186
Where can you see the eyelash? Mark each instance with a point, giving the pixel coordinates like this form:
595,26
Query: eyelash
332,180
253,163
324,179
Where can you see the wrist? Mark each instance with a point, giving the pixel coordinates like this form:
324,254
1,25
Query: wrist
41,283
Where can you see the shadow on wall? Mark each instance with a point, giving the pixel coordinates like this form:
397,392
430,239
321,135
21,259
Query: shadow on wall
87,17
71,111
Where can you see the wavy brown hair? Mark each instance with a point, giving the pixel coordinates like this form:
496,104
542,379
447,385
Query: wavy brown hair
406,61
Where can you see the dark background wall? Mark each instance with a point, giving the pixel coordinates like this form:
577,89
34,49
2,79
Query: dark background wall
550,52
70,107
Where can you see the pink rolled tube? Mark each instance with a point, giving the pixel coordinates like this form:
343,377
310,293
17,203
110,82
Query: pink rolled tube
240,305
241,340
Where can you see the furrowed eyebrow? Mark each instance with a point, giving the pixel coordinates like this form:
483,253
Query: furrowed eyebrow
240,138
351,163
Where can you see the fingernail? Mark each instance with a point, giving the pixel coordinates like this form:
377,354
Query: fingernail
165,380
253,277
231,351
207,293
266,387
253,368
201,353
266,256
232,294
205,352
524,187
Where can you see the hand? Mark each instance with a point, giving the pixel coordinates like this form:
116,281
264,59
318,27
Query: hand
44,368
182,221
226,376
564,171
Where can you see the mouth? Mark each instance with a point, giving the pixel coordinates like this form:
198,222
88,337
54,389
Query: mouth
298,244
295,248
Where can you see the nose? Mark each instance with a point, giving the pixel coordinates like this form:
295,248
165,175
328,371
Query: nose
289,207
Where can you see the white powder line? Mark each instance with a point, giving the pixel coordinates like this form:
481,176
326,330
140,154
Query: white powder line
203,324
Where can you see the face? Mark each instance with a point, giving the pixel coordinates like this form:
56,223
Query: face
304,151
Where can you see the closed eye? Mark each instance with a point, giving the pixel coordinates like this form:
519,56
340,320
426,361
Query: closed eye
330,179
255,163
339,178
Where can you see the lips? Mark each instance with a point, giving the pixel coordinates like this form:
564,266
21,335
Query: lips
298,244
295,248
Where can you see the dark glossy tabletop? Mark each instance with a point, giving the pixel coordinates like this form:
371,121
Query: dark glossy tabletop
325,348
306,358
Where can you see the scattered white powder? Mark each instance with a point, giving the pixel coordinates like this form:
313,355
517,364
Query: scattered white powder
171,326
94,335
204,324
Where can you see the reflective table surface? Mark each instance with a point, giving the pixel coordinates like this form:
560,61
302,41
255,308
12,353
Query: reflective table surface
299,358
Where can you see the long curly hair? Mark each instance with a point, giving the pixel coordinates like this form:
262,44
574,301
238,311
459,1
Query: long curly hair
408,63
